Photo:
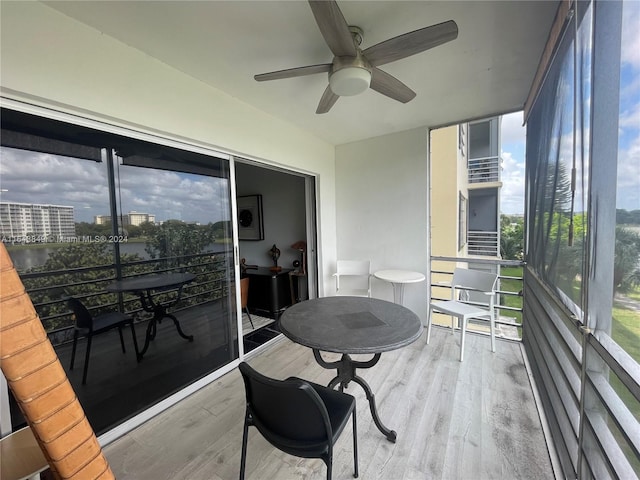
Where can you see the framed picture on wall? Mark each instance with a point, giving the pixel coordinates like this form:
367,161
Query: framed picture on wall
250,226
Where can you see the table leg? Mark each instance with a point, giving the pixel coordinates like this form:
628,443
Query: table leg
346,372
149,335
177,324
398,293
159,312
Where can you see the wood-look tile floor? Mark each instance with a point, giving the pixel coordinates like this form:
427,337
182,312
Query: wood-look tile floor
470,420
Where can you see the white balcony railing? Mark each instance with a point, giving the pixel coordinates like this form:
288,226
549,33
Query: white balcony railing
483,243
482,170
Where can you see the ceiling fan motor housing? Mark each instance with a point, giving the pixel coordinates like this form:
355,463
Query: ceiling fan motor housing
350,75
353,71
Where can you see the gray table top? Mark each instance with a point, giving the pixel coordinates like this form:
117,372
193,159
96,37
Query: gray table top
154,281
350,325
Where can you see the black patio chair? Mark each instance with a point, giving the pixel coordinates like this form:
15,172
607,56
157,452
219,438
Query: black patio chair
88,326
298,417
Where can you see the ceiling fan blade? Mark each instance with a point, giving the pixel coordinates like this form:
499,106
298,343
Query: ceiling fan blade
390,86
411,43
333,27
293,72
327,101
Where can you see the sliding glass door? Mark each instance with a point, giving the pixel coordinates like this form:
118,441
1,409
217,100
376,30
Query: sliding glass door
82,213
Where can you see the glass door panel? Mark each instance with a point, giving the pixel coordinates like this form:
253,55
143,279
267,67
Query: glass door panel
172,220
77,217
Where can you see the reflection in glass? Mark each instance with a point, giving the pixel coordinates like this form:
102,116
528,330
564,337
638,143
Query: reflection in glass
73,226
625,326
557,177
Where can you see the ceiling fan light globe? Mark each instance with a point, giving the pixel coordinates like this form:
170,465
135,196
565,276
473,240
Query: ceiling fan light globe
350,81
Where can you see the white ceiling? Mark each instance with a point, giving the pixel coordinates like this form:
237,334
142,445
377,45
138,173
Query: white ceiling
488,69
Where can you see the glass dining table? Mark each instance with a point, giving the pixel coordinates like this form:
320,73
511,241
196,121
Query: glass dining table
351,326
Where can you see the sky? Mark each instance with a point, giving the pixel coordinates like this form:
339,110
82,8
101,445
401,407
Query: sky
513,138
628,174
629,124
82,184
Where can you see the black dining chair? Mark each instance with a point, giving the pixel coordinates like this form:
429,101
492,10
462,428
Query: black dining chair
298,417
88,326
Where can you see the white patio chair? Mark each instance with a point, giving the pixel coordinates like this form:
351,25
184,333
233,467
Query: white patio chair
473,295
353,278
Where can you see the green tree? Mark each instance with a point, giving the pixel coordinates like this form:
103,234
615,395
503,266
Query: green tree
147,229
626,264
74,269
511,237
174,241
134,231
222,229
92,229
627,217
179,245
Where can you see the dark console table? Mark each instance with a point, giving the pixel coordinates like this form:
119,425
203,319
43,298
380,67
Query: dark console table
269,292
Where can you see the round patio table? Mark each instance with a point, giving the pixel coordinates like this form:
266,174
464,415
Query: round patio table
351,325
398,278
144,286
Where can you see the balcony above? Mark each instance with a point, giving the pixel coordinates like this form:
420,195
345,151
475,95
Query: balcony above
484,170
483,243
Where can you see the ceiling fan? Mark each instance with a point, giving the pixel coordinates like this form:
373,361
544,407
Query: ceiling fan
353,70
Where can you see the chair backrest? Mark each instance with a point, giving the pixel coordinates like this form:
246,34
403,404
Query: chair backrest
286,412
83,318
353,267
244,292
353,277
477,280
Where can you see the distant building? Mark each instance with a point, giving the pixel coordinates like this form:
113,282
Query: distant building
102,219
21,220
131,218
136,218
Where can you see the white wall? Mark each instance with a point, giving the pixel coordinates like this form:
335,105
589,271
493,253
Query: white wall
50,60
381,192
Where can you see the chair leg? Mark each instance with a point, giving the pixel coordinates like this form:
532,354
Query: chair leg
429,324
355,445
492,328
73,349
121,339
463,321
246,310
86,359
135,341
329,463
243,455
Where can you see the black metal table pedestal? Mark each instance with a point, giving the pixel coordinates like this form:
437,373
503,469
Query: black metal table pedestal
144,286
159,312
346,369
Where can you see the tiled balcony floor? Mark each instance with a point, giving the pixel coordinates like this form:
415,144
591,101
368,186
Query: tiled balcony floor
470,420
